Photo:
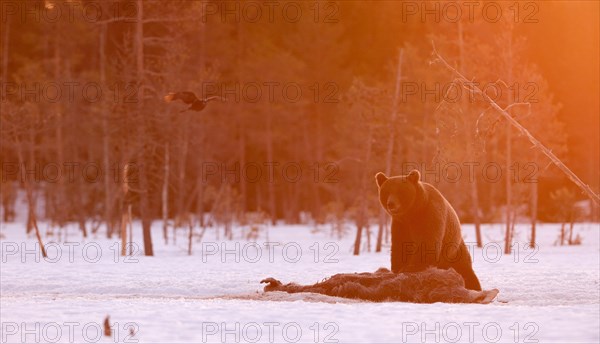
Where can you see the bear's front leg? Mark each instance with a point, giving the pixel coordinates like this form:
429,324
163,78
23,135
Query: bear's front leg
401,248
405,250
432,233
463,264
403,255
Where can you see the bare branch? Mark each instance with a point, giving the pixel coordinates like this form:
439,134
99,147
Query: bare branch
547,152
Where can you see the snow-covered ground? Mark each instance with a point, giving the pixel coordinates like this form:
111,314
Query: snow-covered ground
546,295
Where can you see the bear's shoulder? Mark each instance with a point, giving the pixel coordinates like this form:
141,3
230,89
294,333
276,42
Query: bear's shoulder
431,193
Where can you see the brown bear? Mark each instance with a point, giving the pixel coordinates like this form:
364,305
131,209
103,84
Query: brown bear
425,228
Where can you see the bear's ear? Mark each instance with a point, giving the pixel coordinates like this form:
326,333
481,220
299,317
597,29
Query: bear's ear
380,178
414,176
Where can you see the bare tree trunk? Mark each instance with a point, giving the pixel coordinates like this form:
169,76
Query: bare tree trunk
390,147
533,211
507,235
182,160
129,217
124,221
362,220
311,190
571,225
508,177
241,51
200,186
165,196
475,211
380,230
32,220
8,200
31,204
318,215
143,174
595,212
293,209
230,219
190,234
269,138
473,192
357,240
105,137
63,205
81,218
522,130
145,214
513,221
242,155
5,40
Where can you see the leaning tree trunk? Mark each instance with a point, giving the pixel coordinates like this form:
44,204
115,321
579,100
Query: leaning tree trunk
32,220
468,84
31,204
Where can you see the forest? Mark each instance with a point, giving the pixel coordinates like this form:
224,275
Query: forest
313,98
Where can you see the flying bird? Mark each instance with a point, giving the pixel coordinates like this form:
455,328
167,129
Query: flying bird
190,98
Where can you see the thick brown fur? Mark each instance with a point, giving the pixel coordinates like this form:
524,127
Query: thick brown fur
428,286
425,228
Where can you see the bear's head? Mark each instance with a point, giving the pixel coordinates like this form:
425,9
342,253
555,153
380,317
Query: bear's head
398,194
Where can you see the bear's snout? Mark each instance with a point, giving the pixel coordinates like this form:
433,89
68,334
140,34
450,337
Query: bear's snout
393,207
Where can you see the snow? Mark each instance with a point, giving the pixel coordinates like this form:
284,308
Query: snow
546,295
